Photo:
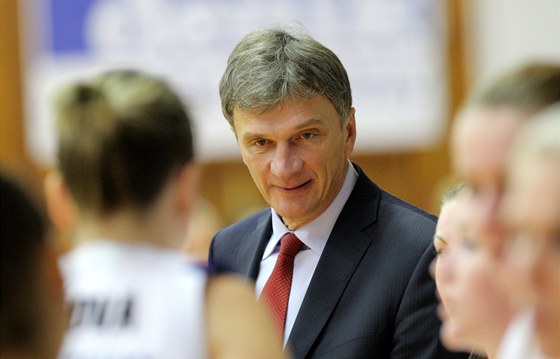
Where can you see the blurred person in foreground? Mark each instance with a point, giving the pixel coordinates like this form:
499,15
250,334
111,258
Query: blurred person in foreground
481,141
126,162
32,314
473,311
359,286
532,210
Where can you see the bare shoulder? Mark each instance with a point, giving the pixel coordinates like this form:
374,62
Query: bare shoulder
238,326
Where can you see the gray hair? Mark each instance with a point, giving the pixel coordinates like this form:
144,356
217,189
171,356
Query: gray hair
269,66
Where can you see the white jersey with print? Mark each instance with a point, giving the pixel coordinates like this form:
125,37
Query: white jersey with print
131,301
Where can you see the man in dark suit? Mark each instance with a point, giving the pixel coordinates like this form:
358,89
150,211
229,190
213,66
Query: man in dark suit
360,284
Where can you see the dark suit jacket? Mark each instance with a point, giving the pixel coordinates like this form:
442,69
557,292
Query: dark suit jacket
371,295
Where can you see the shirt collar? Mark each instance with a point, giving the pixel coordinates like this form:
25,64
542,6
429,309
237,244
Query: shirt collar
314,234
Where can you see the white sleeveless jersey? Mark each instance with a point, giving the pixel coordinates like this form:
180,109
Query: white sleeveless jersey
131,301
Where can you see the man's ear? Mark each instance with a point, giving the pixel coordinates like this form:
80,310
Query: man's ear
60,206
350,129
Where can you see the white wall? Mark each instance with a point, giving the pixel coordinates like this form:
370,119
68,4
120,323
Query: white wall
503,34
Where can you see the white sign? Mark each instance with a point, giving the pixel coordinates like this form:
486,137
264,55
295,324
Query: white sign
394,52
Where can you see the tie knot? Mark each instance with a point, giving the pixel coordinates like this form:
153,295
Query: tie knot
290,245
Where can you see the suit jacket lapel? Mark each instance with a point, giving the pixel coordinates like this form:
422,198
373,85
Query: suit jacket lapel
341,256
262,234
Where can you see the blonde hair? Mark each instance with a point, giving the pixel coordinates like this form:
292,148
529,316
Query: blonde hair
120,136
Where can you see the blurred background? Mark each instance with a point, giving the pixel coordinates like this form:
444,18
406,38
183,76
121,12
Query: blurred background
411,64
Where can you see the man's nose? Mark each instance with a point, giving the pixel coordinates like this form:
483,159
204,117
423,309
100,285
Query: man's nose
286,160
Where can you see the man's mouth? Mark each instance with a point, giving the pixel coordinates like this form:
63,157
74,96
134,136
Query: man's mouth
295,187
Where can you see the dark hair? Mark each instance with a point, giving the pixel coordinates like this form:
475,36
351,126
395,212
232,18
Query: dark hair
121,135
269,66
530,87
23,232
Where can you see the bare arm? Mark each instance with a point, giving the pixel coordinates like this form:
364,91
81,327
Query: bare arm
238,327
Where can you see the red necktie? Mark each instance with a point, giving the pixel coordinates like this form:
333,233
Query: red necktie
276,291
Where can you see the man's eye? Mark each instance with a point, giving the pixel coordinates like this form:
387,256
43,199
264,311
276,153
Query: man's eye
261,143
307,135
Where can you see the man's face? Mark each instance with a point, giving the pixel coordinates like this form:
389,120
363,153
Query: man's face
480,144
297,154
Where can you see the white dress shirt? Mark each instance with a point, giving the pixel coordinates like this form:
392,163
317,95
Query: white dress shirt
314,236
